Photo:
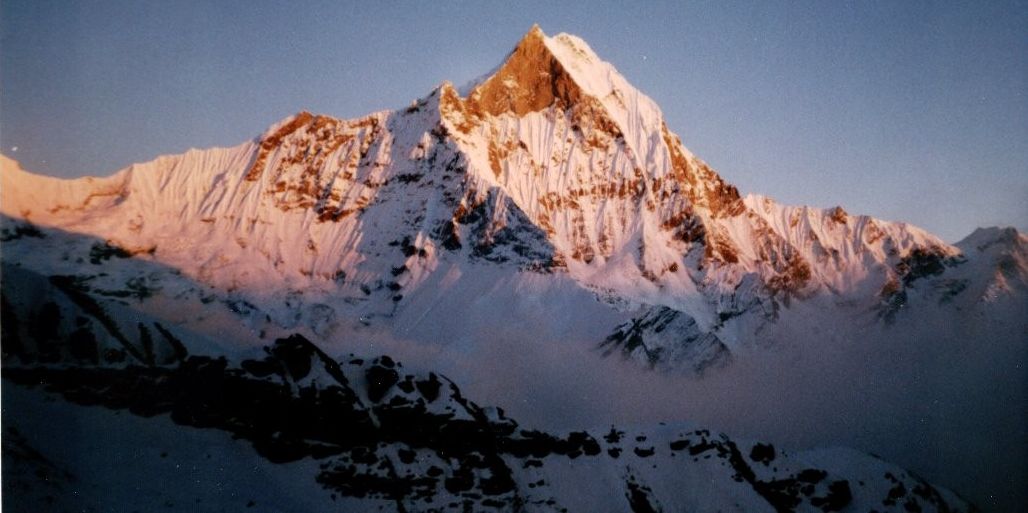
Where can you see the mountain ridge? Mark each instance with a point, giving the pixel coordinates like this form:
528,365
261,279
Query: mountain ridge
554,162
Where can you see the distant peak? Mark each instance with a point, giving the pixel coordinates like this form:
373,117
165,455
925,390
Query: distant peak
982,238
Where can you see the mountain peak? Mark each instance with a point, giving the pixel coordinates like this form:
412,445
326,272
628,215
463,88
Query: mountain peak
535,31
555,146
530,80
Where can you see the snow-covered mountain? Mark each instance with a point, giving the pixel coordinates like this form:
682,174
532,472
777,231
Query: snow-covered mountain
546,202
553,164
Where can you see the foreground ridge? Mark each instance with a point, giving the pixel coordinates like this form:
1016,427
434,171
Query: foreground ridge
414,440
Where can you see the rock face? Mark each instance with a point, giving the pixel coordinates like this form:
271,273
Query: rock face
379,432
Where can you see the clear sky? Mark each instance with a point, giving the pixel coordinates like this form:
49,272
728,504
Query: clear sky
912,111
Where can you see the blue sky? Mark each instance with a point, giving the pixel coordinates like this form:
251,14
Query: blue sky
912,111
